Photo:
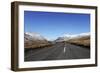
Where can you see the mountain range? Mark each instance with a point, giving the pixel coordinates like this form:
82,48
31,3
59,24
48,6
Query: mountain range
34,40
67,37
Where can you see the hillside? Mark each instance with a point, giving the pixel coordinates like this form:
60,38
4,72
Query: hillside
34,40
83,41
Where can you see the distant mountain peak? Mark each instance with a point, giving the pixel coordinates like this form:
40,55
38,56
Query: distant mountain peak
32,34
76,35
66,37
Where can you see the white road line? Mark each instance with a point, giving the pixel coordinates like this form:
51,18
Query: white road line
64,49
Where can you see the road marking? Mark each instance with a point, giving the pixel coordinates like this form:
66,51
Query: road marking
64,49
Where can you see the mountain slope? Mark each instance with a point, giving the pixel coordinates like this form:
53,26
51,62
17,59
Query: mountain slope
83,41
67,37
78,39
34,40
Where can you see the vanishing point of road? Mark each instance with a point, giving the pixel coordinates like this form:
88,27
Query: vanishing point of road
58,51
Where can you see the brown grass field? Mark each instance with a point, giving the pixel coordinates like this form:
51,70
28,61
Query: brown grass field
83,41
36,45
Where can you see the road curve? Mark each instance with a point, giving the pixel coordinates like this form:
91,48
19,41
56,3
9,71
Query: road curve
58,51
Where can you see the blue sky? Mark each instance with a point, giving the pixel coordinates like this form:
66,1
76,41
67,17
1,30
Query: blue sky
54,24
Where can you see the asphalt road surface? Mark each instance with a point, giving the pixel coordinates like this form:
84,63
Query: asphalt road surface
58,51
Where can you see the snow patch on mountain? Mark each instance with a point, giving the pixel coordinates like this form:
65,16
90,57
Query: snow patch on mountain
36,36
66,37
76,35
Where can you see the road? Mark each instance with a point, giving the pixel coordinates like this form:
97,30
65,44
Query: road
58,51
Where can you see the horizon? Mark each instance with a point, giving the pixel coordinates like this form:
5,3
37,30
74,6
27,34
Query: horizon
63,35
54,24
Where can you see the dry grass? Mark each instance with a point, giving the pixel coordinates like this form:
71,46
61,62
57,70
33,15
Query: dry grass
83,41
34,46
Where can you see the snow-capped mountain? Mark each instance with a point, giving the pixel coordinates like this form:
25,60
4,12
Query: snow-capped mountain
35,36
66,37
76,35
32,40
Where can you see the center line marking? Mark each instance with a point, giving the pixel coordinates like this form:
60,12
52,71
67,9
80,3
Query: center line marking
64,49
